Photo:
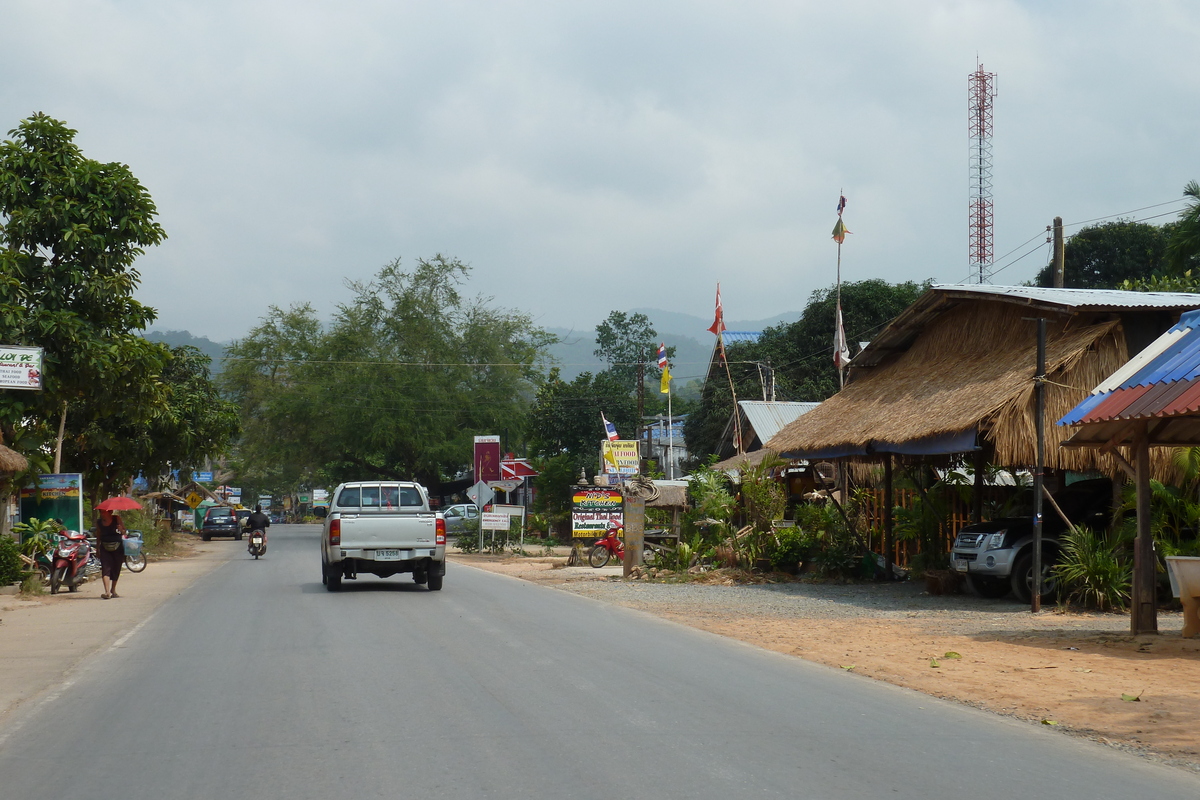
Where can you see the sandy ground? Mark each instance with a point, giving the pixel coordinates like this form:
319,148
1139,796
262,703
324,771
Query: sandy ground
1056,668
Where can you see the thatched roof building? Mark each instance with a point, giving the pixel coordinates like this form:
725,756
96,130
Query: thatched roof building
954,373
11,460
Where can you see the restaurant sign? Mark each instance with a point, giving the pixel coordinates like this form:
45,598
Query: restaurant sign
20,367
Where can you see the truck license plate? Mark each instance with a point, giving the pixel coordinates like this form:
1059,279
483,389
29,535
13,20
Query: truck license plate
387,555
960,566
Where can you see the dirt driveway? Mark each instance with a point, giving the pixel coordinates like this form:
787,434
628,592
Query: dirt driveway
1075,671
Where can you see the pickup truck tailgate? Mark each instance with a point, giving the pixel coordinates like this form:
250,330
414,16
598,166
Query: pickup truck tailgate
392,530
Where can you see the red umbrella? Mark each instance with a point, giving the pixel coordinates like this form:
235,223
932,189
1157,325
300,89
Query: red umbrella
118,504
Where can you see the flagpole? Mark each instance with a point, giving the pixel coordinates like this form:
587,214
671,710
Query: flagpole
670,436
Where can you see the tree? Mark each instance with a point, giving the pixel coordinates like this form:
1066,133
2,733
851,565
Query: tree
1103,256
565,417
625,341
1183,250
397,386
70,231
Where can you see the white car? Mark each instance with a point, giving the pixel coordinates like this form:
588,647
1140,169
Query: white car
461,517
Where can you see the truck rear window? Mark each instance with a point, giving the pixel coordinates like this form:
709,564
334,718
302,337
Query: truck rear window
383,496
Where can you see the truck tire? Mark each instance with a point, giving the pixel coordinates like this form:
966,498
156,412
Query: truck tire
333,578
435,582
420,576
990,588
1022,577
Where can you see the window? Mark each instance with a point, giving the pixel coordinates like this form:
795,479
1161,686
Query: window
348,496
370,497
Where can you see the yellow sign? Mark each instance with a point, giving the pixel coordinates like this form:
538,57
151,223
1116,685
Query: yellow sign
194,500
619,457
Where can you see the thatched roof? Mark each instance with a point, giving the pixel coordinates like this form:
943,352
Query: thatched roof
965,375
669,496
11,460
744,460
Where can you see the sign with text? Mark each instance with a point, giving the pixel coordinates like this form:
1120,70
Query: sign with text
592,510
203,477
491,521
487,458
55,497
620,457
20,367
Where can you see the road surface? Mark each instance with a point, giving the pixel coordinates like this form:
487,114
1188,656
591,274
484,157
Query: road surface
256,682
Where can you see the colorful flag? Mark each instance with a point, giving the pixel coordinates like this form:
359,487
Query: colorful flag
662,356
840,231
610,430
841,204
664,386
841,351
719,323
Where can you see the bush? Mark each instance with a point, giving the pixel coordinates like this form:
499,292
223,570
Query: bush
467,541
10,561
788,547
1092,571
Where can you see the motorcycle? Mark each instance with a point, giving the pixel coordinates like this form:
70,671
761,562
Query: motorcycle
70,560
607,547
258,543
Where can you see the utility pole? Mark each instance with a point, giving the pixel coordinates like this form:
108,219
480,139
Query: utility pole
1058,253
641,394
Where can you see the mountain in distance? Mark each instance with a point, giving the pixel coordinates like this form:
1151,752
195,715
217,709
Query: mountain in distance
214,350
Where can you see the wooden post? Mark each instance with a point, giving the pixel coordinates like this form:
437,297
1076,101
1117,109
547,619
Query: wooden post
635,533
1039,390
980,483
1143,618
888,502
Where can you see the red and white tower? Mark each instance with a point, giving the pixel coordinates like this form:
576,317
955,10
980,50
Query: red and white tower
981,93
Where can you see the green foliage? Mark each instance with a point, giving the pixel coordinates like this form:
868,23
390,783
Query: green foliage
763,498
406,375
1106,255
625,341
10,561
1093,571
36,536
1183,251
565,417
467,541
789,547
710,498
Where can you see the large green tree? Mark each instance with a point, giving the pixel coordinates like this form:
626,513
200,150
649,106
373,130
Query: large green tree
1104,256
1183,250
70,231
629,343
396,386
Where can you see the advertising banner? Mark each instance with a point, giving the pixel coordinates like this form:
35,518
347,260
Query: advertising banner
203,477
619,457
55,497
487,458
20,368
320,497
592,510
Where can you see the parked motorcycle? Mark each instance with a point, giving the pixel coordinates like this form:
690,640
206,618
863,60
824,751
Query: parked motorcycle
258,543
70,557
607,547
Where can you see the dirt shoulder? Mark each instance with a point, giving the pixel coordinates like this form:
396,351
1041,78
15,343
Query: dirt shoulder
43,638
1065,669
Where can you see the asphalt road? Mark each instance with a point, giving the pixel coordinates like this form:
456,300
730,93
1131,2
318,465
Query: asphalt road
257,683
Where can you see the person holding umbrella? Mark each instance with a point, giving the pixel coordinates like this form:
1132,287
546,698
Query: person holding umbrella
109,536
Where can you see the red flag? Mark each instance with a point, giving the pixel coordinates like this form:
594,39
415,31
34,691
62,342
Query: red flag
718,323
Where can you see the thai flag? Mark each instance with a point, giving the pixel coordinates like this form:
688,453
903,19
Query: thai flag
610,430
841,204
662,356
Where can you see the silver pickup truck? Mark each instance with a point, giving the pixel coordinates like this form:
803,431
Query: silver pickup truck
383,528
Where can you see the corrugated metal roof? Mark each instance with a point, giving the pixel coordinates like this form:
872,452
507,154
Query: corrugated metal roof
769,418
1161,381
741,337
1098,299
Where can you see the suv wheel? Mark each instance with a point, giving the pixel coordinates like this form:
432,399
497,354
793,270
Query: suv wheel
1022,578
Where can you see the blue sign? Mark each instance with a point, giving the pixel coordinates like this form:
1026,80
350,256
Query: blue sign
204,477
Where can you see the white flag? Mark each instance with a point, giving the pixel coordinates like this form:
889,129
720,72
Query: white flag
841,351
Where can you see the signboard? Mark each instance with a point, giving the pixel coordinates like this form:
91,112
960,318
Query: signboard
512,511
55,497
320,497
303,497
480,494
204,477
516,468
504,486
264,500
194,500
487,458
620,457
592,510
491,521
20,368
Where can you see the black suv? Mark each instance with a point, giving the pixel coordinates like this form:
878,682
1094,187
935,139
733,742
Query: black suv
221,521
997,556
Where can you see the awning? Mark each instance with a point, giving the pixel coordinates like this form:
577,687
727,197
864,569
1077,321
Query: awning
942,444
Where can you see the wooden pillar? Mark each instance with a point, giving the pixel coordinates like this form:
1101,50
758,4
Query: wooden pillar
980,483
888,502
1143,617
635,533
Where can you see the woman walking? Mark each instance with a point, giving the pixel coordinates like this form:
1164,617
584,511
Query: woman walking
109,530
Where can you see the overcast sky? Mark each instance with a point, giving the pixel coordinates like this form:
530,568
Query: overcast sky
589,156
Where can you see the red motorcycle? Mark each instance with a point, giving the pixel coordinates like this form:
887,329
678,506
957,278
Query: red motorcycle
70,562
608,547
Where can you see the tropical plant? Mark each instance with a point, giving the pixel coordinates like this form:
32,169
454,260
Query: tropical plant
10,561
1093,571
36,536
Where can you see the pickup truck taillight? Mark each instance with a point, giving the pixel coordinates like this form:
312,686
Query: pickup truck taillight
335,531
440,532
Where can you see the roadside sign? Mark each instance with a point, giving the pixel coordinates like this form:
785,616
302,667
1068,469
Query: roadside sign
204,477
491,521
516,468
480,494
504,486
512,511
20,367
194,500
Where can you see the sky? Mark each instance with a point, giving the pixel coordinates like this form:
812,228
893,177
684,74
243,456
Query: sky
585,157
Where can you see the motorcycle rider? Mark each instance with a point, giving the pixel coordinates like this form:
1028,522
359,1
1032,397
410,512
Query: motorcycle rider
258,521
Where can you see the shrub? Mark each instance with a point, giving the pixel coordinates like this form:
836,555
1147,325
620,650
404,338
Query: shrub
1092,571
467,541
10,561
788,547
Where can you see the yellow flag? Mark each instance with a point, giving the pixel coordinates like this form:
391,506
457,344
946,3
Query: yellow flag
840,231
610,456
665,386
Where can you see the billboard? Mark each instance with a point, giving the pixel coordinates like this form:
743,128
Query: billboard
592,510
55,497
620,457
20,368
487,458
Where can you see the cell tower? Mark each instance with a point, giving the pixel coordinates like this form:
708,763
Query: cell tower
981,91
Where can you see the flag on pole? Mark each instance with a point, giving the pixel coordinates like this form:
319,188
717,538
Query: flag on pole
841,351
718,323
664,387
611,458
662,356
841,204
610,430
840,230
